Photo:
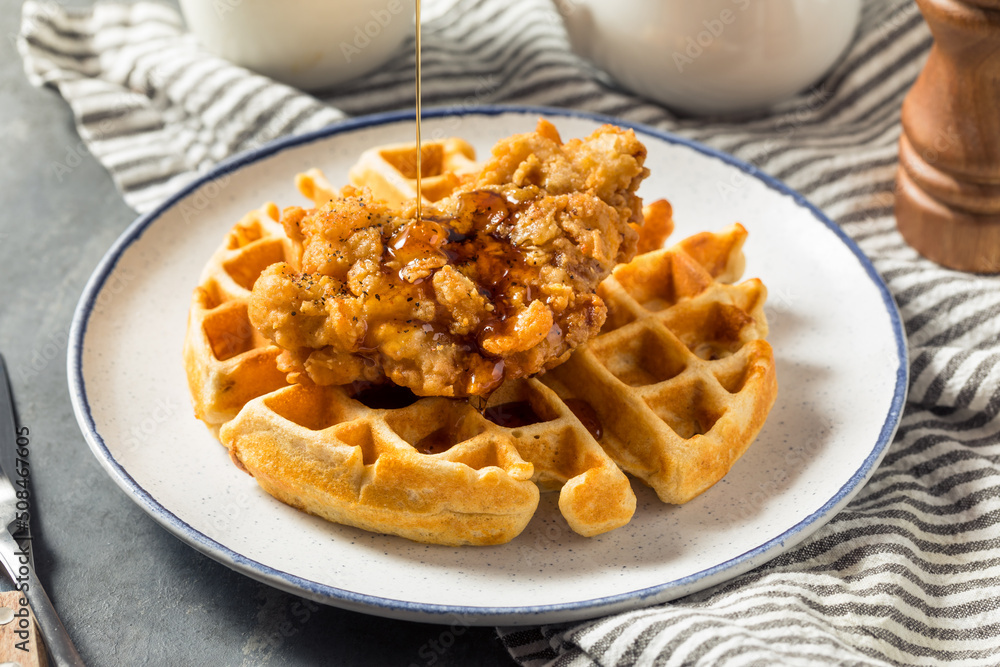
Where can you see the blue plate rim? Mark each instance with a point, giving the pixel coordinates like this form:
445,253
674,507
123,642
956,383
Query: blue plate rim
425,611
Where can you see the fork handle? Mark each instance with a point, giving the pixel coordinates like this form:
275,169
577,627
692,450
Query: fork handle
58,645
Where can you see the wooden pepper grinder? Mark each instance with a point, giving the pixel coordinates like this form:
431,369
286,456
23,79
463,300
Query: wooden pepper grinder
948,185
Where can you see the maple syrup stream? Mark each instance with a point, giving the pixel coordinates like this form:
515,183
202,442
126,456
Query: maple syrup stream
420,147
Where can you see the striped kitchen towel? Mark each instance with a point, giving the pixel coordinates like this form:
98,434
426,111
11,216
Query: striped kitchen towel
909,572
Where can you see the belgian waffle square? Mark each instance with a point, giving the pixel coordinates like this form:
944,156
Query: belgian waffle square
429,469
680,377
227,361
390,172
434,471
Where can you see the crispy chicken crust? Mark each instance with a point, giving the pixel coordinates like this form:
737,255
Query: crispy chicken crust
495,281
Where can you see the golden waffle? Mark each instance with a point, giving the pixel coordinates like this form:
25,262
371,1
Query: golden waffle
436,470
323,450
318,449
226,360
680,377
673,390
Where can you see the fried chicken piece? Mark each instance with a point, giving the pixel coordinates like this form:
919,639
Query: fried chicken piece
495,281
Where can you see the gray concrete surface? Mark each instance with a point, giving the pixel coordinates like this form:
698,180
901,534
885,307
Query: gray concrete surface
129,592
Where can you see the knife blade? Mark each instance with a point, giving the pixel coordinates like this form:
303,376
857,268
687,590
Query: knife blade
14,557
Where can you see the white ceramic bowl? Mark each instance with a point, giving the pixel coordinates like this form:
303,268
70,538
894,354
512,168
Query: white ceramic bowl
306,43
712,56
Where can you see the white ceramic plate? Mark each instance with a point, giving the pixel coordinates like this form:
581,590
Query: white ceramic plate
841,369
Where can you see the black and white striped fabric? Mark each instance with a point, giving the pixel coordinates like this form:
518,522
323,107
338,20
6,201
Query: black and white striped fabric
909,572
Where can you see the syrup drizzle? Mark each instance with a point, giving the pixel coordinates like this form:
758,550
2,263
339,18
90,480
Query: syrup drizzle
420,149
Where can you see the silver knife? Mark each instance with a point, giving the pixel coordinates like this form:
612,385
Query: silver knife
16,559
